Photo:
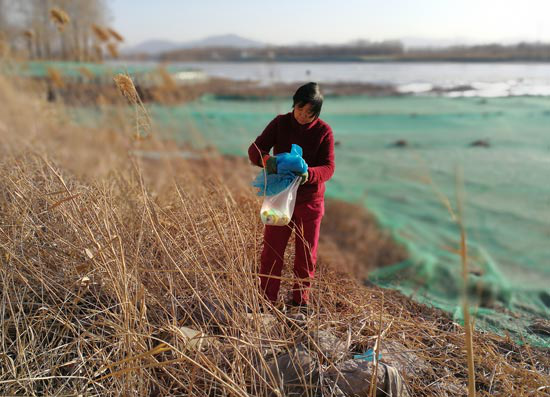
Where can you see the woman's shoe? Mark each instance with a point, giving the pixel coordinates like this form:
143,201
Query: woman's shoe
268,307
301,307
280,305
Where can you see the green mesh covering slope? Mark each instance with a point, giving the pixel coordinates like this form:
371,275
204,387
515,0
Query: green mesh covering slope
506,190
74,69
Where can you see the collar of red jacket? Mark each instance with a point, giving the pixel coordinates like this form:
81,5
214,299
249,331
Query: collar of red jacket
303,127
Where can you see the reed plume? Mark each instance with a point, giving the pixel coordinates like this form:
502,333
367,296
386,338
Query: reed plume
28,34
85,72
100,33
143,120
115,35
60,18
55,78
126,86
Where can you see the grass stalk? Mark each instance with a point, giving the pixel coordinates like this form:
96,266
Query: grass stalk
465,273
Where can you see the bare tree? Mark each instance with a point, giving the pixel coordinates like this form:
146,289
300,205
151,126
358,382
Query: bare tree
3,14
6,11
29,24
84,14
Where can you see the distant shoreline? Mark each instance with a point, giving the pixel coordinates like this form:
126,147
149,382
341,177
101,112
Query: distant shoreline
342,60
392,51
82,84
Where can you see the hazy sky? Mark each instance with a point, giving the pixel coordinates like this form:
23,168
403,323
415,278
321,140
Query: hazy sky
332,21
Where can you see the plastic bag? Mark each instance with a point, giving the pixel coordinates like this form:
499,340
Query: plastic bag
288,165
271,184
277,210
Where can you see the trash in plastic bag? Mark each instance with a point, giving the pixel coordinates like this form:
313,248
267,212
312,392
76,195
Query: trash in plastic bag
288,165
277,210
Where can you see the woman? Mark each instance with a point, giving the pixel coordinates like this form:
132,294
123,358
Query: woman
301,126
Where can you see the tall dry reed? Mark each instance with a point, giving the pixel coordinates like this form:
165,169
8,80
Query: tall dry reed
142,119
468,323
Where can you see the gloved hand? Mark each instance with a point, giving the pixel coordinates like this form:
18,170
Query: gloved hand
304,177
270,164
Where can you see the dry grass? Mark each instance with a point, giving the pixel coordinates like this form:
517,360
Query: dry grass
168,82
105,255
351,239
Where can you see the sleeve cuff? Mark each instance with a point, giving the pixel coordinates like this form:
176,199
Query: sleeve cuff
265,157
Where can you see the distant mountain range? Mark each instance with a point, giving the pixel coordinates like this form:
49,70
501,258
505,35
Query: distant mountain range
158,46
155,47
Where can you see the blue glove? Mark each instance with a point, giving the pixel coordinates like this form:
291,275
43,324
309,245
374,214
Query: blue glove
290,163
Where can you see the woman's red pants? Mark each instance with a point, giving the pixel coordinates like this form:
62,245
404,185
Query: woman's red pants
306,222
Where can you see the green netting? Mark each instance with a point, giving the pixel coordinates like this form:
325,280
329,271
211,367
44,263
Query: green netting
506,193
74,69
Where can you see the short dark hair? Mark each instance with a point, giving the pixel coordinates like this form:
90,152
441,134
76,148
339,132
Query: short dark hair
309,93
